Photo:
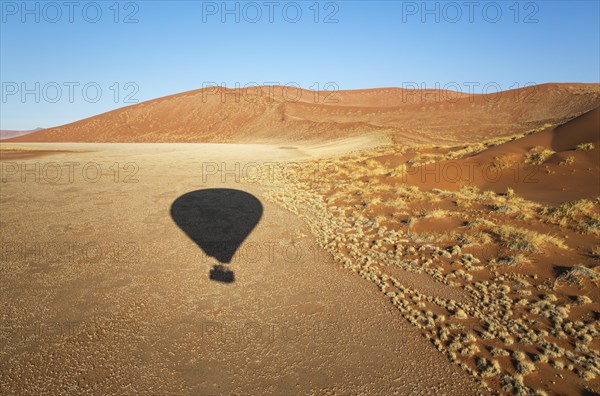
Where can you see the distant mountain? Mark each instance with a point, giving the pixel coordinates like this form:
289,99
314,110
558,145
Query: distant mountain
8,134
279,114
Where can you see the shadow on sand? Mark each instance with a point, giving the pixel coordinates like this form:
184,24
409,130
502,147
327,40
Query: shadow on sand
218,220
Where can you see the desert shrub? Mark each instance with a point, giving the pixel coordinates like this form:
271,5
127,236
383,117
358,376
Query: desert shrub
499,352
581,215
511,203
567,161
558,364
479,222
571,209
585,147
437,214
398,171
587,375
589,226
522,240
488,368
581,300
539,157
541,358
575,275
505,161
510,260
524,366
514,384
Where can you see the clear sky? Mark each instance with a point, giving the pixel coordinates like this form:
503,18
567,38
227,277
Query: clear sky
140,50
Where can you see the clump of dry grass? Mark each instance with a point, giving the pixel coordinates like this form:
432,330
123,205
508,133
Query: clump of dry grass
488,368
582,300
514,384
587,375
425,159
510,260
585,147
524,366
522,240
541,358
437,214
510,203
478,223
538,157
460,314
557,364
505,161
571,209
581,215
567,161
575,275
398,171
499,352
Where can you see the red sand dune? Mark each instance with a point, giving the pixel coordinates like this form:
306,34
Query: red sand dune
281,114
504,166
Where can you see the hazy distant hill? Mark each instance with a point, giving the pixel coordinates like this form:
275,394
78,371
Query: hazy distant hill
8,134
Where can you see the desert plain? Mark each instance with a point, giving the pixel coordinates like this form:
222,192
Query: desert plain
376,242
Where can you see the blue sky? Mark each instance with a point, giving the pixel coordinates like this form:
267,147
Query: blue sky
170,47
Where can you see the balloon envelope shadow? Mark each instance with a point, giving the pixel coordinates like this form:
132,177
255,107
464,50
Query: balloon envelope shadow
218,220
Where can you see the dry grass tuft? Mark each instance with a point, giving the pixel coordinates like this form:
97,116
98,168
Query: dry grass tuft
538,158
585,147
510,260
567,161
575,275
522,240
580,215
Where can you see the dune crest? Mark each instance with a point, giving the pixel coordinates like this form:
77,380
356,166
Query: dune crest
285,114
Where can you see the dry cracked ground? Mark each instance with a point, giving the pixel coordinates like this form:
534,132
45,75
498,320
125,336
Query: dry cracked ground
103,293
356,279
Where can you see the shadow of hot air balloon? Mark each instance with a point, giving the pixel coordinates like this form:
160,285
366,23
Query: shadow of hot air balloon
218,220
